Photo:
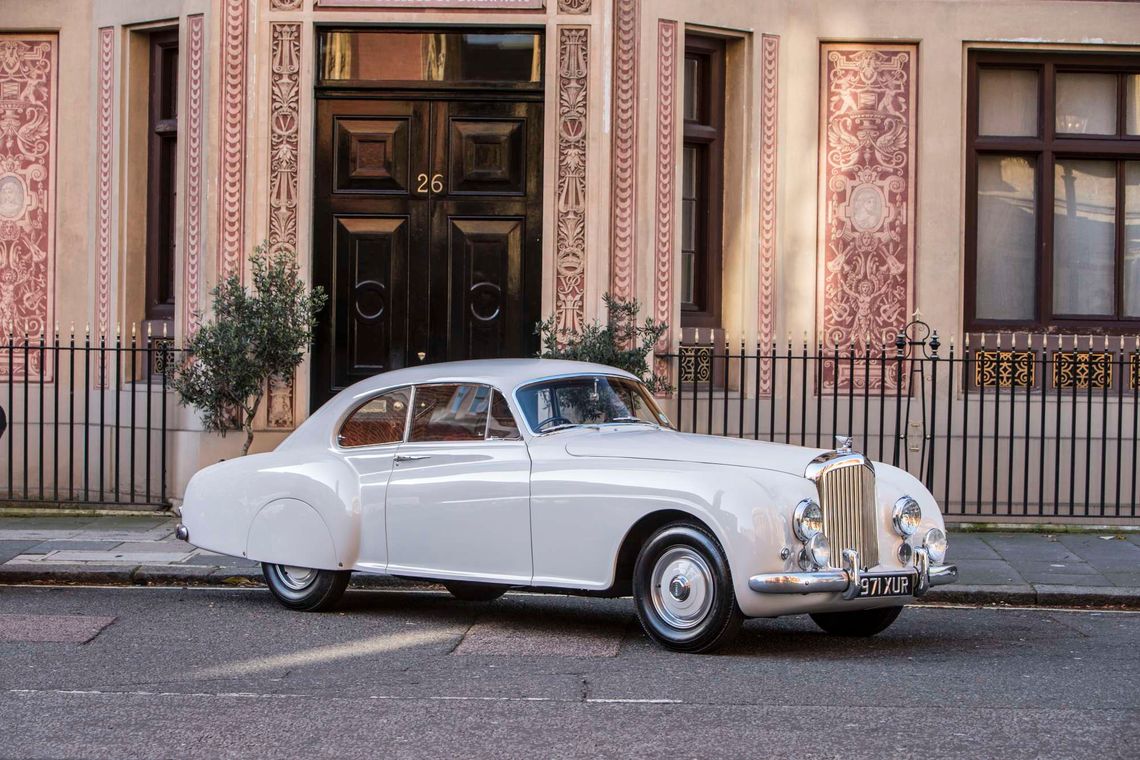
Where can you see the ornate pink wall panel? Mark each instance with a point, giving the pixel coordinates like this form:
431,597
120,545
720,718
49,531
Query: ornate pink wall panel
286,5
573,6
867,169
769,138
231,169
192,204
623,221
28,65
284,135
665,201
105,155
570,187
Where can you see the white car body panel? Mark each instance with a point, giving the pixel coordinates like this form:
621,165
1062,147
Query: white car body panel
549,511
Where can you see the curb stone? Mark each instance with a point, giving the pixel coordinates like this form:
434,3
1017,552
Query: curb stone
205,575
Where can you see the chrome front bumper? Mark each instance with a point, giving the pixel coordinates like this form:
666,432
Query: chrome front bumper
846,580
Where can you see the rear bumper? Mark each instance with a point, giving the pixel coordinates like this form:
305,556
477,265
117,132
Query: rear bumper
846,580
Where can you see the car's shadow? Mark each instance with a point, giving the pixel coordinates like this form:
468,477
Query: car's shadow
525,615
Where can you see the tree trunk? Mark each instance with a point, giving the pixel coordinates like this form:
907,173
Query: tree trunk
247,425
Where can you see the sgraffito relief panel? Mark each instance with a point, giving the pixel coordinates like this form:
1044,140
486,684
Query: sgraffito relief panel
231,170
867,170
105,136
192,205
28,65
570,234
284,135
573,6
769,136
623,248
665,174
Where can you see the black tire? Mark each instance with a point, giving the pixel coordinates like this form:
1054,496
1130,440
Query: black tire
475,592
318,591
714,618
858,623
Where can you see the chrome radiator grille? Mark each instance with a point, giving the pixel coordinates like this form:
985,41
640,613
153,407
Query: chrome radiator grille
847,497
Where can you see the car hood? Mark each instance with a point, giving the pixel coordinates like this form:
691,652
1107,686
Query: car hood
639,442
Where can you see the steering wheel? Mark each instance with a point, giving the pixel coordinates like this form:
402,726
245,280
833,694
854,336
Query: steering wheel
556,419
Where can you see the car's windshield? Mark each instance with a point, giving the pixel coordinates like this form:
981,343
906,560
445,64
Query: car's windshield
587,400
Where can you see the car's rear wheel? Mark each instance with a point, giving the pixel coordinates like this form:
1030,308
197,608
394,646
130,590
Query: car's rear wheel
682,589
475,592
303,588
857,623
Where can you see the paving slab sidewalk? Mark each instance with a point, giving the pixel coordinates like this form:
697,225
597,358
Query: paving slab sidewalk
994,568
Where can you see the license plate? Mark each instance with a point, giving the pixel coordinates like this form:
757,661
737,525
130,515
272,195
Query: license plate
885,585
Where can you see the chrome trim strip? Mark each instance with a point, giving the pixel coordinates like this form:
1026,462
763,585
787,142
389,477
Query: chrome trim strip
799,583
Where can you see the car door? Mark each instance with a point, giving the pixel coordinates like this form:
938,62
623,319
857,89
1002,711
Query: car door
458,501
369,438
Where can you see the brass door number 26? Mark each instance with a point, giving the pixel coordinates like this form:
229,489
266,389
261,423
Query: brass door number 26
436,183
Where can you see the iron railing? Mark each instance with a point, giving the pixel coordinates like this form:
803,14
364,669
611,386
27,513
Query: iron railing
87,418
1019,428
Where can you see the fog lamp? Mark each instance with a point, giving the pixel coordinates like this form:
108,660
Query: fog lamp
935,544
816,554
906,517
808,520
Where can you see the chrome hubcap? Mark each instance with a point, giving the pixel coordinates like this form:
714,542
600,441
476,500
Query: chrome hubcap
296,578
682,587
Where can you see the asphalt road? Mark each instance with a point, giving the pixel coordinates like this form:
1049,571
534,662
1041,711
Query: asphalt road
138,672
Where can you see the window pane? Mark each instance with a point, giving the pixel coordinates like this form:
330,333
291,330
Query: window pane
1132,104
502,424
1084,237
1132,239
691,108
395,56
1007,208
1086,104
378,421
1007,102
449,413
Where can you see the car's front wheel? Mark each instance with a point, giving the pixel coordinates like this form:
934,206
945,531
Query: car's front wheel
858,622
682,589
303,588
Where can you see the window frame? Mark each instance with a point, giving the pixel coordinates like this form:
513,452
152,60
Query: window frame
162,176
1043,151
708,135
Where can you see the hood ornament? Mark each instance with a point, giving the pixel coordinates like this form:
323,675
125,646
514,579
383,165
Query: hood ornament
844,444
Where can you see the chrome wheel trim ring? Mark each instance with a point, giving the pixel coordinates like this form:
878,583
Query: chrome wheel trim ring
296,578
682,587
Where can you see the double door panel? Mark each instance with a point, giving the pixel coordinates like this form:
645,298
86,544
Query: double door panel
427,234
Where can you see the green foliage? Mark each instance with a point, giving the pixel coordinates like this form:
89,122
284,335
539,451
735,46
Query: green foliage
621,342
253,336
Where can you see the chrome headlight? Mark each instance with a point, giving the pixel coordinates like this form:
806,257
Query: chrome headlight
906,517
808,520
817,553
935,544
906,554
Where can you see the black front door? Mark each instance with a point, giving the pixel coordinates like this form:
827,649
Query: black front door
427,234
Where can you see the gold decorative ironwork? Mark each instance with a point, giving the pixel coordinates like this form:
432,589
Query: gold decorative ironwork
1004,369
696,364
1134,370
1082,369
162,356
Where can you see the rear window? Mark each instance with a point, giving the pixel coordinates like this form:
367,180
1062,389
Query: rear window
377,421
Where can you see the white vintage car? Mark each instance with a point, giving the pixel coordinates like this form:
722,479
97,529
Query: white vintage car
567,477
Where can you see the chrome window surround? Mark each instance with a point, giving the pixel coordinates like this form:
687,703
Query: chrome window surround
845,483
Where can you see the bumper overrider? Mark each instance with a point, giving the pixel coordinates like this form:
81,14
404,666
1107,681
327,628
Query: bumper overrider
846,579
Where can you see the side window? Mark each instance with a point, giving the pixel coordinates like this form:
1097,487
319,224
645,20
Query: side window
449,413
502,423
379,420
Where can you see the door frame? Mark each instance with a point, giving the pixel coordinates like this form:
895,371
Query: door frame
429,92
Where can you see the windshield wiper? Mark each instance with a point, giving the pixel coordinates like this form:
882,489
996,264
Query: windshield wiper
556,428
630,419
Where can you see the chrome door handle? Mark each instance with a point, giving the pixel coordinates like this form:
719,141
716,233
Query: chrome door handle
411,457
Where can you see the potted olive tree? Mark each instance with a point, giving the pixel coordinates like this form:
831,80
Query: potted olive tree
252,336
621,341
